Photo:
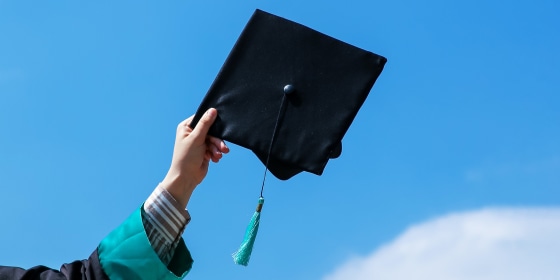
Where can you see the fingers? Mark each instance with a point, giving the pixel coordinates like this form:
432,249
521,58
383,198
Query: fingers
183,128
216,148
187,121
214,152
201,130
219,143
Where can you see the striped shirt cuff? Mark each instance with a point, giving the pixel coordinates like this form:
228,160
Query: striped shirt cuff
164,221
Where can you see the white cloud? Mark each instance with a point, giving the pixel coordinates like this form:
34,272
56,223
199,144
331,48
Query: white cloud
496,244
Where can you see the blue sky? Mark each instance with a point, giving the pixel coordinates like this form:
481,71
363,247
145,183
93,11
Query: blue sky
465,116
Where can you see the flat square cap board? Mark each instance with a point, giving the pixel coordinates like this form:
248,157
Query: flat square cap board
289,94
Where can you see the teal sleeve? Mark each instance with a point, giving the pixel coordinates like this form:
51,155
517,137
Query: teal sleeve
126,253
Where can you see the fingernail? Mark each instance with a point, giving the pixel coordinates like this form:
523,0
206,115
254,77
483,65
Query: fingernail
211,112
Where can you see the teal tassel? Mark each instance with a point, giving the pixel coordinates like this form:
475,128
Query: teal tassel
243,254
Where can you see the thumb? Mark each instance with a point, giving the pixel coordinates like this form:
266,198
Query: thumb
204,124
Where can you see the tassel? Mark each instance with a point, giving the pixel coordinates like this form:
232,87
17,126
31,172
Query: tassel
243,254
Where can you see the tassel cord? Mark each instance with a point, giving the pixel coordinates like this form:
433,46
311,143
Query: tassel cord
272,141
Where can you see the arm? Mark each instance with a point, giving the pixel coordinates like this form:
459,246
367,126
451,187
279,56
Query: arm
145,248
164,215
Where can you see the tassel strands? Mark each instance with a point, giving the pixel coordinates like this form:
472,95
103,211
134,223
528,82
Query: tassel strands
243,254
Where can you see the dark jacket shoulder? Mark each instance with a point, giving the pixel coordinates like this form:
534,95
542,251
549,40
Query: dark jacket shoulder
89,269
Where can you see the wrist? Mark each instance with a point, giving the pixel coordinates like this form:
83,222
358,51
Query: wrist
179,186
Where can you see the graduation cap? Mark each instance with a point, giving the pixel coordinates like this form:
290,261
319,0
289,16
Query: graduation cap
289,94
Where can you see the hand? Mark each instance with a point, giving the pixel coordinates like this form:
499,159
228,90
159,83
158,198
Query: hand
191,156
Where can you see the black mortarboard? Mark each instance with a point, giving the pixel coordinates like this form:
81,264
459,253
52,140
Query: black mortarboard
327,81
289,94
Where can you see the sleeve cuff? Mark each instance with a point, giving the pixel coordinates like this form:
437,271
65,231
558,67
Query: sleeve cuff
164,221
126,253
169,217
